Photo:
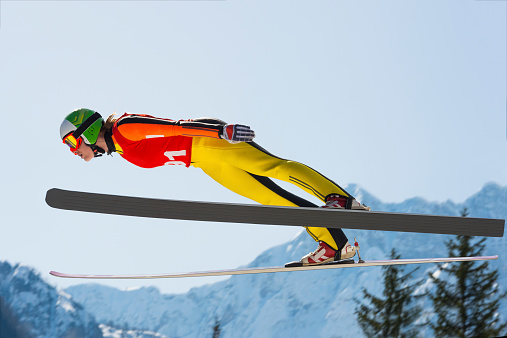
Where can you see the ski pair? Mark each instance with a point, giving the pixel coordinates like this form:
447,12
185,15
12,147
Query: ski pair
260,214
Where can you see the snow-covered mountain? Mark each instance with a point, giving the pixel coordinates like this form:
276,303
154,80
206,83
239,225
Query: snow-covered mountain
40,308
30,307
291,304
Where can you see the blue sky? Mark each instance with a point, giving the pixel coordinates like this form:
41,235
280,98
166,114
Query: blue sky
403,98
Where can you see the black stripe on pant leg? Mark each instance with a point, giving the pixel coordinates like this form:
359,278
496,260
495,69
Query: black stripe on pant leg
337,234
268,183
258,147
305,185
300,202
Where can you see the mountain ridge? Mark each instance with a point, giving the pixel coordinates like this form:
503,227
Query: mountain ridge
298,304
290,304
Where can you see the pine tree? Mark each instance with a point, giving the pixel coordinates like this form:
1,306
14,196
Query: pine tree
392,316
216,329
466,299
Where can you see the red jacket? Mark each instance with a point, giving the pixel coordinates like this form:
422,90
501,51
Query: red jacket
148,141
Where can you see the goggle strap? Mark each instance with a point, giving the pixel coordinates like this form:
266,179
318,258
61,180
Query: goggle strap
86,124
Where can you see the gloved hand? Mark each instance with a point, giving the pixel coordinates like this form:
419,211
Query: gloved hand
235,133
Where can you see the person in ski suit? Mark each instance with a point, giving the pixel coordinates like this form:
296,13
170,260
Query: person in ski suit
225,152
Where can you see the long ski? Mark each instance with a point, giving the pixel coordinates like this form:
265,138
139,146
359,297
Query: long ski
244,271
274,215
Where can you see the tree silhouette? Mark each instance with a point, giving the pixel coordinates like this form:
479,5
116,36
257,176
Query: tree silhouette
393,315
216,329
466,298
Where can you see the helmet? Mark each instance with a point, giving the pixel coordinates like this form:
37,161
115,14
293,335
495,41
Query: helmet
82,122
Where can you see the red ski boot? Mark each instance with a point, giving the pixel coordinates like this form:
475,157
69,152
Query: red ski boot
325,254
338,201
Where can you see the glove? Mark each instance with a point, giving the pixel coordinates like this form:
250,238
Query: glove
235,133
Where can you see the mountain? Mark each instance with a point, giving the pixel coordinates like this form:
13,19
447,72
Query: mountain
294,304
30,307
39,309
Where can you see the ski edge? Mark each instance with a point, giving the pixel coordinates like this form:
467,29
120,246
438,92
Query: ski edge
244,271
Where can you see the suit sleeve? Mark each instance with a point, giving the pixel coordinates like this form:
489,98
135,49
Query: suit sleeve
138,127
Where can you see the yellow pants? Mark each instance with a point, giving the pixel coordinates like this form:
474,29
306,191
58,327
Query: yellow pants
245,168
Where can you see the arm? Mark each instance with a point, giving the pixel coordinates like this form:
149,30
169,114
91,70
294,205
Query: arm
138,127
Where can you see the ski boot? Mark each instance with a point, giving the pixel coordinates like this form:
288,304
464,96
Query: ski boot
342,202
327,255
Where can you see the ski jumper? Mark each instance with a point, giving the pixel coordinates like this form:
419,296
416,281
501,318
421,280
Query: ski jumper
245,167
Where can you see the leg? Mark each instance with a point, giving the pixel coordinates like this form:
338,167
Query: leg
257,188
225,163
252,158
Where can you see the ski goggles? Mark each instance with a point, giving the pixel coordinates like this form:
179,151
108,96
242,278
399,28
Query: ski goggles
72,142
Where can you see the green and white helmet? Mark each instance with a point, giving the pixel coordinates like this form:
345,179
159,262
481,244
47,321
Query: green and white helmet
82,122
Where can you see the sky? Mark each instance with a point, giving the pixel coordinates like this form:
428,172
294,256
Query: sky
404,98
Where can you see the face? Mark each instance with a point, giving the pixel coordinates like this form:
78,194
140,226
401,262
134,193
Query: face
85,152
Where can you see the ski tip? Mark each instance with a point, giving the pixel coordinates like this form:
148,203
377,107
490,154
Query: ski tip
58,198
56,274
50,196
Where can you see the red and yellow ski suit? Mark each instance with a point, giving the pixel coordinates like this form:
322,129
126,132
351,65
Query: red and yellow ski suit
244,168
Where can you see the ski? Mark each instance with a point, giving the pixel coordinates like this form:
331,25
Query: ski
245,271
274,215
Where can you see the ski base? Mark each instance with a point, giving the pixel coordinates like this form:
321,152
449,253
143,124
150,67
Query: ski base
274,215
244,271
